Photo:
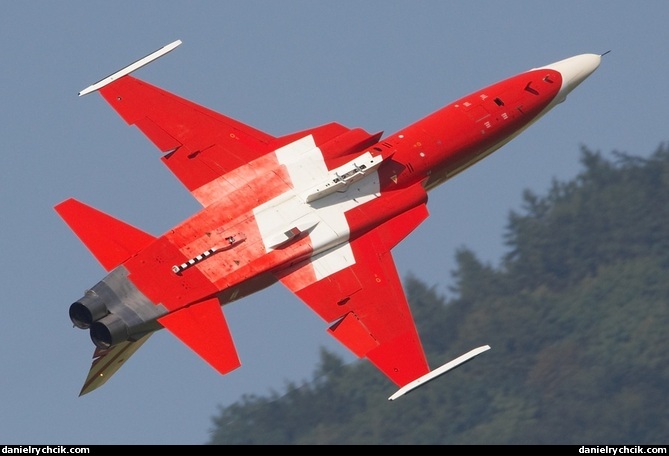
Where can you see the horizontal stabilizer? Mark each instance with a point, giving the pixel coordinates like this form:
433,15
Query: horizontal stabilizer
110,240
203,328
460,360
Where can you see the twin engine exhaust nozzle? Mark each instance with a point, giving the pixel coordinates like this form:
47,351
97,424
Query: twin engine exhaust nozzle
105,328
115,311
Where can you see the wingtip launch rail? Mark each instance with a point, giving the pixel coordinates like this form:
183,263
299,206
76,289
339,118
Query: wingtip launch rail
130,68
459,361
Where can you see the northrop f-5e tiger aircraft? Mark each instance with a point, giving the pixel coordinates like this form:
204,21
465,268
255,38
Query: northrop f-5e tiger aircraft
318,210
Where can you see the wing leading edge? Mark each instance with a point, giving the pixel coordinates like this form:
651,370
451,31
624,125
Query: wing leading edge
365,302
201,144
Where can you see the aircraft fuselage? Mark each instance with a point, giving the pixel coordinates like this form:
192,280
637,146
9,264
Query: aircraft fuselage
318,210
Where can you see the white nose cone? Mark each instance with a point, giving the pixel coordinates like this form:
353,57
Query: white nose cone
574,70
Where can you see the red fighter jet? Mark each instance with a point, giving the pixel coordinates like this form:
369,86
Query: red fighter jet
318,210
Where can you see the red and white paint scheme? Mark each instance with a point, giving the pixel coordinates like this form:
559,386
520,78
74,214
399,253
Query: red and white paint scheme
319,210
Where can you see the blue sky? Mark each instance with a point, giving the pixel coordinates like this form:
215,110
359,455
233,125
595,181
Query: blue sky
281,67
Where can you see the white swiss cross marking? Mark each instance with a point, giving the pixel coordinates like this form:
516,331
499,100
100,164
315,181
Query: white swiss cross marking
306,168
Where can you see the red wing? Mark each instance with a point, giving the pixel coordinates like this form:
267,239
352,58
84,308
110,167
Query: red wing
367,303
203,144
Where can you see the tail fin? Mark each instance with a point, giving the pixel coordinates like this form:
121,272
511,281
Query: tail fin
107,362
110,240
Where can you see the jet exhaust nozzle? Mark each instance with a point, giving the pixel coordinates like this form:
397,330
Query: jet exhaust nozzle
87,310
109,331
